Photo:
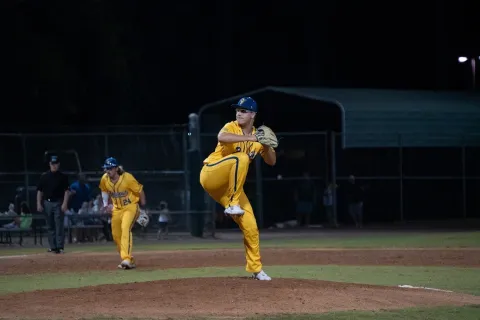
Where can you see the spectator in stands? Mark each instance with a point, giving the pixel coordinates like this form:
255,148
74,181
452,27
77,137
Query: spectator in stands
11,210
24,221
328,205
305,199
97,204
81,219
68,219
80,191
355,198
163,219
104,220
52,198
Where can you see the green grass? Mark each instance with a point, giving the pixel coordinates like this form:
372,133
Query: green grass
431,240
456,279
465,280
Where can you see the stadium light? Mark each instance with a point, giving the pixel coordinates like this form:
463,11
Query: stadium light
473,61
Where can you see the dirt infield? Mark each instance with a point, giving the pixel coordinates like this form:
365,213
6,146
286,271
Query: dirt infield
220,297
225,297
75,262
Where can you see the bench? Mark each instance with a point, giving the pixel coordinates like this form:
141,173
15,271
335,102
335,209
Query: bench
7,232
71,226
37,228
84,227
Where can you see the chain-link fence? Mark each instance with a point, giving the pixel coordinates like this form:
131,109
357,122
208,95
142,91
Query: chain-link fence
156,158
401,183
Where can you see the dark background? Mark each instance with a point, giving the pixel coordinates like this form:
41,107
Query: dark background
88,63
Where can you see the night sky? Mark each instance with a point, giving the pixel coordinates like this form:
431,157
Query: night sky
86,63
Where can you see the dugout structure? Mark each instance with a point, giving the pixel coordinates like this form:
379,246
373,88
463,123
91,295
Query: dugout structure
416,150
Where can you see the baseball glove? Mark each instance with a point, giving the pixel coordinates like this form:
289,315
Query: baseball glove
266,136
143,219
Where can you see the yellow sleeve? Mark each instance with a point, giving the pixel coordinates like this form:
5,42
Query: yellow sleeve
103,183
134,186
229,127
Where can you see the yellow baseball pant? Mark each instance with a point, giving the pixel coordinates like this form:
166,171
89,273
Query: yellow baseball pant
223,180
122,224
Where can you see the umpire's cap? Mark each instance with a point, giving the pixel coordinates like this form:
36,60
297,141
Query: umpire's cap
110,163
246,103
54,159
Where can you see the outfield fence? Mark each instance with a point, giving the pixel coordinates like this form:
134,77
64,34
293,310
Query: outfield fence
157,157
401,183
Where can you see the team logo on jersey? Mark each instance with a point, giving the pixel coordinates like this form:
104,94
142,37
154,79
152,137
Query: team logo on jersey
119,194
252,155
238,149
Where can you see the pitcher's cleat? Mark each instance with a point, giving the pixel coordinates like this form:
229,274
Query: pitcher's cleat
126,264
234,210
261,276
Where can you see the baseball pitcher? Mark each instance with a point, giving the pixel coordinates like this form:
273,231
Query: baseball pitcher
225,170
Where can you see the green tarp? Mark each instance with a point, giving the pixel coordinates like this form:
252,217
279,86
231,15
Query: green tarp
385,118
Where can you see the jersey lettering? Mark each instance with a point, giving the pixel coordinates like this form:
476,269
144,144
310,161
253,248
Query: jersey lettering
225,149
119,194
124,192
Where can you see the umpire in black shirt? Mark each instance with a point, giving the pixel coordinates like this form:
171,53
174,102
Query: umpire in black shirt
52,198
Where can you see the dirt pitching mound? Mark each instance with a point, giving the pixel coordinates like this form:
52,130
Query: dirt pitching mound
219,297
85,262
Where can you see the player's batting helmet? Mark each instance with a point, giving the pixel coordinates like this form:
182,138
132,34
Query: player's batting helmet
246,103
110,163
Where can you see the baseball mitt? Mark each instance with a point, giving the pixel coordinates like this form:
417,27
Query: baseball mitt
143,219
266,136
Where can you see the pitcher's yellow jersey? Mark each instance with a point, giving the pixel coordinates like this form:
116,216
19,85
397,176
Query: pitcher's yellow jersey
124,192
225,149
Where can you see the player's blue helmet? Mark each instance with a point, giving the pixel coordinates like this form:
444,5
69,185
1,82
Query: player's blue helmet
110,163
246,103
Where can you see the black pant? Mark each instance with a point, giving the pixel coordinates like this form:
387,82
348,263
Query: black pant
56,231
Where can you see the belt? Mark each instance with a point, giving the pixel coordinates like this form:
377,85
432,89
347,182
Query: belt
52,200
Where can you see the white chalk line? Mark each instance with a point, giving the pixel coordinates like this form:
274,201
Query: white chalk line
16,256
424,288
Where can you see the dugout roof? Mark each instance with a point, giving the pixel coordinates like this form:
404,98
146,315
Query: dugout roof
377,117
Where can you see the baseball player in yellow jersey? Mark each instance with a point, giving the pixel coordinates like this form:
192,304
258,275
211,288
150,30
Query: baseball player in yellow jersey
224,173
125,193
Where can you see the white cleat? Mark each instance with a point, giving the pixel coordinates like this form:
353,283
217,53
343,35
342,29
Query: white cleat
235,210
126,264
261,276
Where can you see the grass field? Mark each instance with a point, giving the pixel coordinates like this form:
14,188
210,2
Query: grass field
433,240
456,279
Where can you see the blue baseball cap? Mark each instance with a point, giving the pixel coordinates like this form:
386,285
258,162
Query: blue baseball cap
246,103
110,163
54,159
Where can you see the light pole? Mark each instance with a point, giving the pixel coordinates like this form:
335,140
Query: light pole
472,65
